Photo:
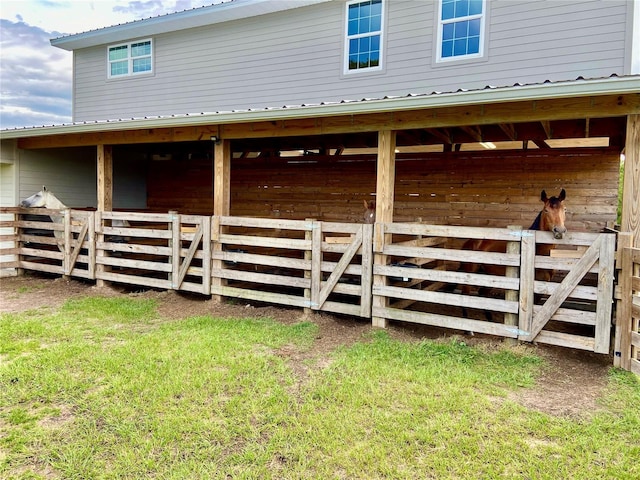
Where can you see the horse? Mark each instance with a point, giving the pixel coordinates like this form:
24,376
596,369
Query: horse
46,199
551,218
369,212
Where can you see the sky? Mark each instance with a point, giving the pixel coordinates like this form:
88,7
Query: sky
35,78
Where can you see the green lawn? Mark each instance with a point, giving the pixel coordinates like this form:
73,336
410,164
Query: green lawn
105,389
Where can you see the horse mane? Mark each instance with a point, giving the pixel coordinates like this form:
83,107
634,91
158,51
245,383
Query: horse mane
536,223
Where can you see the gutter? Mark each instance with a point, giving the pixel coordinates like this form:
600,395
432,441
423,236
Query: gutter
488,95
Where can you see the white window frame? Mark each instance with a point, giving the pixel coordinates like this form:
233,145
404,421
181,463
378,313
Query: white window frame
483,35
347,38
129,59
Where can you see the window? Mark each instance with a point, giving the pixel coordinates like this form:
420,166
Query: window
460,29
129,59
364,36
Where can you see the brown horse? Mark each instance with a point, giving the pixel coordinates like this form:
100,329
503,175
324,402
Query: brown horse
369,212
551,218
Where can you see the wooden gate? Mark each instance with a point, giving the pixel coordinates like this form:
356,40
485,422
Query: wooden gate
627,351
578,293
428,275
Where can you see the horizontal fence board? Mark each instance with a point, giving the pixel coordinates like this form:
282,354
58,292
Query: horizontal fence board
458,278
465,301
35,252
265,260
134,280
566,340
133,248
301,225
264,278
445,321
268,297
272,242
134,264
494,258
41,267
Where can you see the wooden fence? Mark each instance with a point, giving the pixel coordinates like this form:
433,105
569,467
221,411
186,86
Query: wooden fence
627,346
412,272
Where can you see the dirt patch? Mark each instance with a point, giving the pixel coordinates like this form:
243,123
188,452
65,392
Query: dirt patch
570,384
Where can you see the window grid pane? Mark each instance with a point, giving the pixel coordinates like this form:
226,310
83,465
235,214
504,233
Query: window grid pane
461,22
126,60
365,23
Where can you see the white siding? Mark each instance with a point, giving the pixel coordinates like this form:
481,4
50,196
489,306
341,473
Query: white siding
7,199
295,57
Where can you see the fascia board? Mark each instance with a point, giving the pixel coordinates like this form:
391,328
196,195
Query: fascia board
197,17
578,88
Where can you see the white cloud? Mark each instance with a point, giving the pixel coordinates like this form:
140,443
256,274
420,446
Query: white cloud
35,78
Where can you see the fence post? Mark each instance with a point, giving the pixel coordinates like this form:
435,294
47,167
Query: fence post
175,244
216,263
206,255
91,248
66,245
622,342
527,279
511,319
378,301
308,255
100,268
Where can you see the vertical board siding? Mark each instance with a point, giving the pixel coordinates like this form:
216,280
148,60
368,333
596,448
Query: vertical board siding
296,57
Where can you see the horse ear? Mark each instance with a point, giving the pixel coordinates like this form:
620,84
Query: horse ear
543,196
44,188
562,195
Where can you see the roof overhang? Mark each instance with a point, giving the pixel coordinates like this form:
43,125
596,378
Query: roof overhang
197,17
490,95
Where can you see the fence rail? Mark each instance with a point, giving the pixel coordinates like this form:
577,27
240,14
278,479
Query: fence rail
409,272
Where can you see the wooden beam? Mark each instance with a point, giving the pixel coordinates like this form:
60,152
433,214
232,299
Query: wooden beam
222,178
385,184
440,117
631,187
105,177
510,130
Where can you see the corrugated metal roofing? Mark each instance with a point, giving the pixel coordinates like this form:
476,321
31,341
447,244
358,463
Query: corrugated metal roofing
489,94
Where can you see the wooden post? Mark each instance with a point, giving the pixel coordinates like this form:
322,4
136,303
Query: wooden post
221,201
105,196
175,245
105,178
100,268
385,184
622,339
66,238
631,187
511,319
308,255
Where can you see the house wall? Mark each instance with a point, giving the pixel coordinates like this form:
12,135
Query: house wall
7,198
296,57
70,173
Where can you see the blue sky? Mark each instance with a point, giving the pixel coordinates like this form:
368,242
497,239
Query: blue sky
35,78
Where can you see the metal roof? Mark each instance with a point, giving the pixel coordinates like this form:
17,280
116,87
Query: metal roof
489,94
171,22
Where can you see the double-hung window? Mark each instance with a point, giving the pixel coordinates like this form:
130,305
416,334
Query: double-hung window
364,36
461,25
129,59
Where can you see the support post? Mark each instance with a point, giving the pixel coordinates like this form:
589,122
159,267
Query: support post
105,196
385,184
631,187
221,202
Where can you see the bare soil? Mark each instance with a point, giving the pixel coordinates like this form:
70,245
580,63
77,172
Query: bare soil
571,383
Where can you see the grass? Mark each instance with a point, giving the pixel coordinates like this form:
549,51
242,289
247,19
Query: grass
103,389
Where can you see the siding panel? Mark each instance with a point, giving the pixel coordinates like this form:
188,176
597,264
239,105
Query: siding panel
295,57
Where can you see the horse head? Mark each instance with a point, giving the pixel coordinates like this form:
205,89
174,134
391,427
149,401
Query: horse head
369,212
553,214
43,199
